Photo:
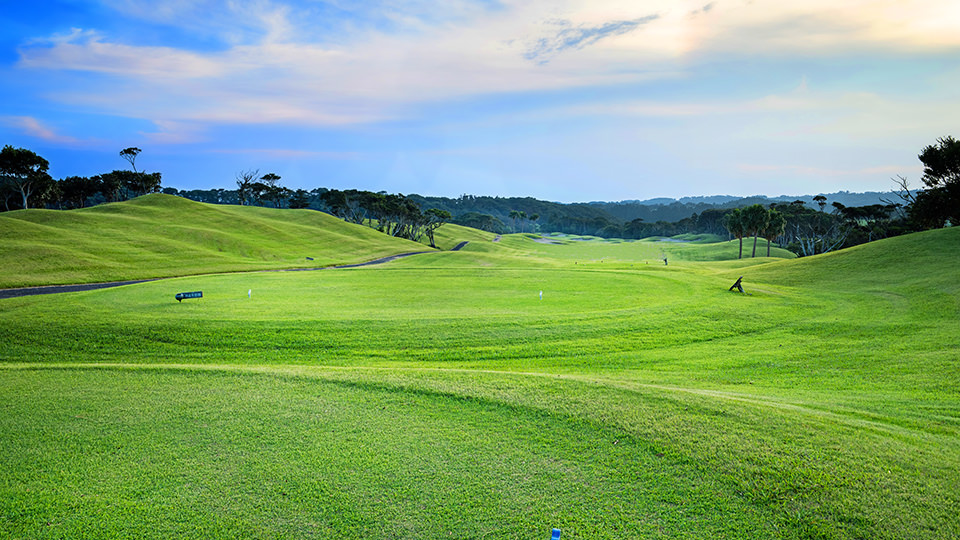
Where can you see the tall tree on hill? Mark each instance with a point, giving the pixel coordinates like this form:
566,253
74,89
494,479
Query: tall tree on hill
733,221
111,185
433,219
259,192
25,172
130,154
53,195
139,183
755,219
245,179
940,202
136,183
941,162
9,194
274,192
776,226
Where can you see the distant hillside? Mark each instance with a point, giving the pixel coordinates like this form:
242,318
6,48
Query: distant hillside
666,209
580,218
599,218
554,216
161,235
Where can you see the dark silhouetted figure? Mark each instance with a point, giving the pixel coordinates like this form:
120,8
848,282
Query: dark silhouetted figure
737,285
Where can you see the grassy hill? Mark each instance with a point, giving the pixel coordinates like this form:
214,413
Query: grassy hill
161,235
440,395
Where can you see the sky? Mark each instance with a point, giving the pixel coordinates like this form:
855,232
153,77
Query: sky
563,100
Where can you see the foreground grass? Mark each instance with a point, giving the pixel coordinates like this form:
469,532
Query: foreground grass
280,452
241,455
441,396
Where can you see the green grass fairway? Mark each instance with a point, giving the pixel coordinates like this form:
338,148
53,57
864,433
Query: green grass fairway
438,396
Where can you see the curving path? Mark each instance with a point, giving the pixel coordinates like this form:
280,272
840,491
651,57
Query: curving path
369,263
54,289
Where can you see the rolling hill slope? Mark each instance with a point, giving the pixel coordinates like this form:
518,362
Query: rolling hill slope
929,256
161,235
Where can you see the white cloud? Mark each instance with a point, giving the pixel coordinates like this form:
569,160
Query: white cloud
275,68
86,51
35,128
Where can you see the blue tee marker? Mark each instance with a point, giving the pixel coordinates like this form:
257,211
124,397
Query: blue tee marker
555,535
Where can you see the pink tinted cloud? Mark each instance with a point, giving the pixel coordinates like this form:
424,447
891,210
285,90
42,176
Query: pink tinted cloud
35,128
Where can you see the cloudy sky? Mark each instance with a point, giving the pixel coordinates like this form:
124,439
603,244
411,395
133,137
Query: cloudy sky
565,100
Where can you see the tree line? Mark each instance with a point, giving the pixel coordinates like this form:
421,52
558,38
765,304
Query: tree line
26,183
392,214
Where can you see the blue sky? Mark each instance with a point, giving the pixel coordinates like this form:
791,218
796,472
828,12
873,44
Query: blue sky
565,100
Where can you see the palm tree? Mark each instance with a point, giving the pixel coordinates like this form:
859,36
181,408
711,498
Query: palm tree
776,226
733,221
754,222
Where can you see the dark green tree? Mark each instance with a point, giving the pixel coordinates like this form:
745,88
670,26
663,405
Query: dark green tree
111,185
941,163
433,219
821,201
776,226
755,219
120,185
76,190
245,179
484,222
25,172
514,215
259,192
9,194
733,221
811,232
300,199
130,154
140,183
940,201
274,192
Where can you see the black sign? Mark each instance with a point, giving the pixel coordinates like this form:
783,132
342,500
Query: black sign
195,294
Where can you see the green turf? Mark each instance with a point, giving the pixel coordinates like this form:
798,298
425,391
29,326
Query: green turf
440,396
161,235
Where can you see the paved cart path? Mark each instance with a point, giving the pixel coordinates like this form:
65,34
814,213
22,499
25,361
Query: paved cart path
54,289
